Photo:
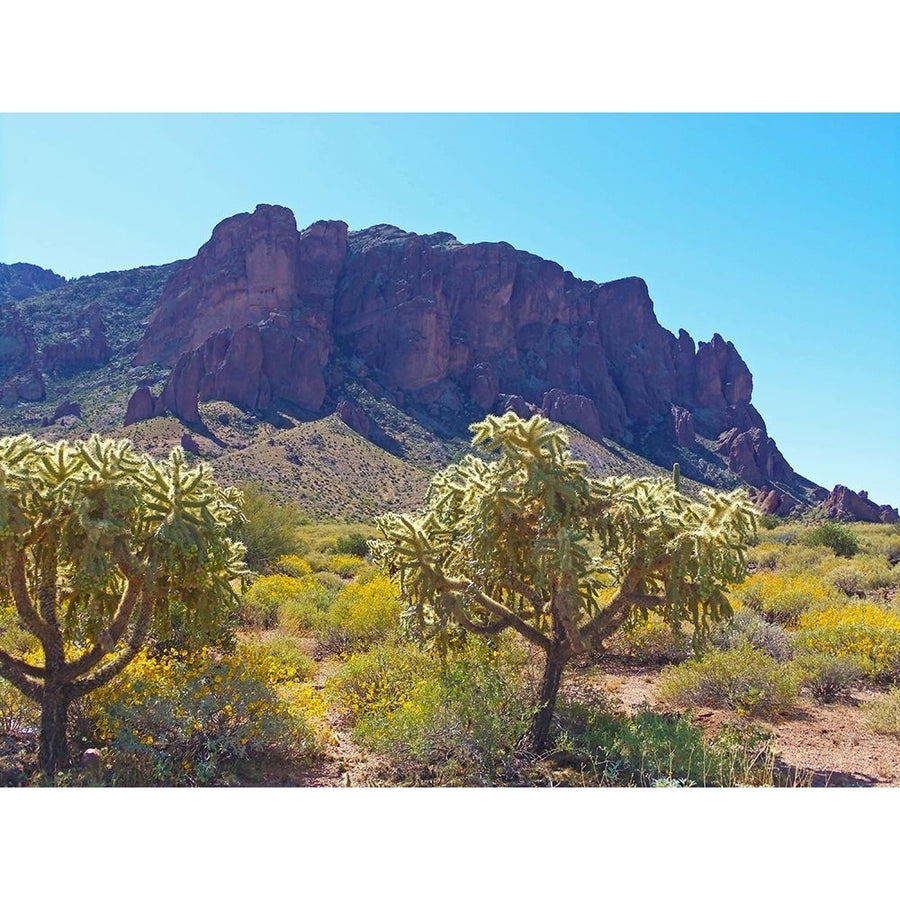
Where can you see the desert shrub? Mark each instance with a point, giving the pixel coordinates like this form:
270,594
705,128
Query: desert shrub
344,564
331,581
748,627
765,555
883,713
782,598
292,565
258,606
460,721
267,529
839,538
306,612
363,614
769,522
828,677
353,544
847,578
860,630
650,640
275,659
297,604
744,679
194,719
375,683
652,749
801,559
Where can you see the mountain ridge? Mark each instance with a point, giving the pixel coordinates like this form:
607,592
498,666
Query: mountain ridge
279,321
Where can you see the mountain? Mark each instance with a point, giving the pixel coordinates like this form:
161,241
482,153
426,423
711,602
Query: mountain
402,340
21,280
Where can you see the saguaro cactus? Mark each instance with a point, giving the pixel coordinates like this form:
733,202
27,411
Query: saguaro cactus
98,547
504,544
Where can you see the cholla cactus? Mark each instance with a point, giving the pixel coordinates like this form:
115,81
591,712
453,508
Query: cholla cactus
504,544
98,547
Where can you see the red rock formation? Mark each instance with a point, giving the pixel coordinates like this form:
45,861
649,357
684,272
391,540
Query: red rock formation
256,266
683,426
753,455
265,315
85,347
142,405
842,503
575,410
354,417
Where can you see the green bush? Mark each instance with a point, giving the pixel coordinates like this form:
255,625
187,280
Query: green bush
746,679
459,723
650,640
18,714
354,544
652,749
276,658
883,714
828,677
298,604
267,528
372,684
839,538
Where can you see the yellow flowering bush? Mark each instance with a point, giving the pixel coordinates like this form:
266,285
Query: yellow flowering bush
194,718
275,658
345,564
364,613
460,720
860,630
374,683
292,565
782,598
300,604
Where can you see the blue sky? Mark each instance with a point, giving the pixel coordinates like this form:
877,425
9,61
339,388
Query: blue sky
781,232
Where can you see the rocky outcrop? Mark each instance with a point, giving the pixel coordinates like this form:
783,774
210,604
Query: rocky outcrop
842,503
66,408
267,315
682,422
21,280
142,405
257,367
753,456
84,347
17,346
575,410
354,417
255,267
27,386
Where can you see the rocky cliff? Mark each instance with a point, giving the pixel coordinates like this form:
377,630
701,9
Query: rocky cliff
266,315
